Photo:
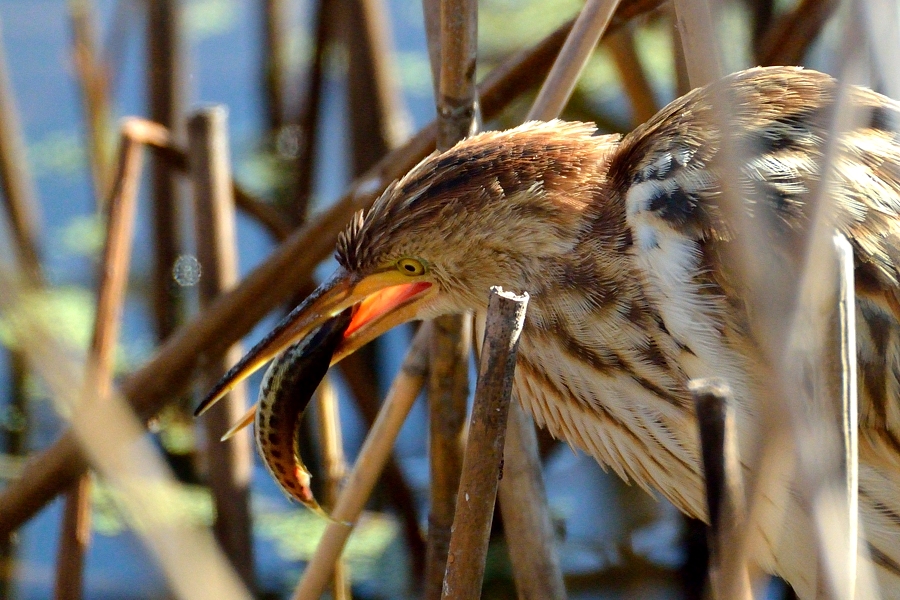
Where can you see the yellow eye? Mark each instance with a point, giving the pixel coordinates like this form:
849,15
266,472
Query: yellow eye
410,266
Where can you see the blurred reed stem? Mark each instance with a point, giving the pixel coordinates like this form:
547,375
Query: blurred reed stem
274,68
789,37
100,359
374,83
529,530
23,220
93,81
229,462
311,105
335,466
15,179
269,217
696,26
451,335
592,22
632,74
165,99
531,539
377,118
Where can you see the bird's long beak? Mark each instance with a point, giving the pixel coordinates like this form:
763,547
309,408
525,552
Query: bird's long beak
383,300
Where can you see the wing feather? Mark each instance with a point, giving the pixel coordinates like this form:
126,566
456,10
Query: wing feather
671,187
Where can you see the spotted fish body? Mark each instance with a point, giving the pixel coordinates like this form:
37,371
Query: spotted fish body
285,392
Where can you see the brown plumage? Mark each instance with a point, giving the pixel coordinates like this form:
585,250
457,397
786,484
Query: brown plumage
618,242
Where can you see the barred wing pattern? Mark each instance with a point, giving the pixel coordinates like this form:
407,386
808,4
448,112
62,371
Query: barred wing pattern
778,120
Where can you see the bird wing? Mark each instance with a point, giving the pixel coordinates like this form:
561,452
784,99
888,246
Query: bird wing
670,175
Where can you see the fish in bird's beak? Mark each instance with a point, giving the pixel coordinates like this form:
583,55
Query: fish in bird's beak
381,301
287,387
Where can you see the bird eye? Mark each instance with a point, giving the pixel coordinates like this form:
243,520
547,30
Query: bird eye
410,266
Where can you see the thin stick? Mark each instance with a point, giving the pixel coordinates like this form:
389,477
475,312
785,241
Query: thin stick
459,43
697,30
431,10
18,192
714,405
308,119
377,124
448,382
849,410
15,451
164,89
392,116
335,466
362,383
272,282
793,334
791,36
448,391
580,44
124,456
92,80
379,121
113,278
22,215
526,517
484,449
632,74
682,80
372,458
274,61
267,215
230,462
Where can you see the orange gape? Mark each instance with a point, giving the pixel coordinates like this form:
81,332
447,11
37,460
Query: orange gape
285,392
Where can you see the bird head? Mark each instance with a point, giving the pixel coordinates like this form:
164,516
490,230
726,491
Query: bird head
499,208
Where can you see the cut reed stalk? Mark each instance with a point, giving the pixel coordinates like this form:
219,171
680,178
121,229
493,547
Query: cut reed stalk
528,526
484,447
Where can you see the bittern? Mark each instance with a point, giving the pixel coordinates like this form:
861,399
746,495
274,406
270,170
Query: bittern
619,241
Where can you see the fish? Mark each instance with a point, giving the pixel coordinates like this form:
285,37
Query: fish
286,389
